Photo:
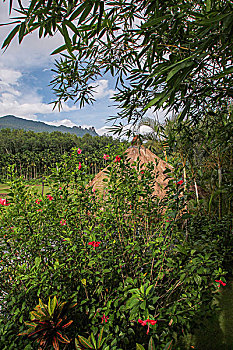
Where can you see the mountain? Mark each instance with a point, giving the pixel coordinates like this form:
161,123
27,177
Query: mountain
12,122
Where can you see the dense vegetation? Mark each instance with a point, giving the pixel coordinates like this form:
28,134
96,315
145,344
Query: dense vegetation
137,271
34,154
12,122
123,269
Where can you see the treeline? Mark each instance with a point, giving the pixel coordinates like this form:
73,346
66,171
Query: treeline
34,154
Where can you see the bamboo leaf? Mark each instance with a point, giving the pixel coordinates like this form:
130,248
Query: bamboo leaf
10,36
100,15
85,13
178,68
59,49
77,12
67,38
21,31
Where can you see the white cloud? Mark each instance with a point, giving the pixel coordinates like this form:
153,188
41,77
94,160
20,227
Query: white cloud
101,89
144,129
9,76
32,52
65,122
103,131
25,104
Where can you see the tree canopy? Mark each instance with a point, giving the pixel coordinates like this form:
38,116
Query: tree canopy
175,55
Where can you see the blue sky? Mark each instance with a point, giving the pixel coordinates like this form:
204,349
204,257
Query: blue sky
25,73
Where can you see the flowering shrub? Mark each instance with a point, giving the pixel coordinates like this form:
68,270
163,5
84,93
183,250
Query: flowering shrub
143,266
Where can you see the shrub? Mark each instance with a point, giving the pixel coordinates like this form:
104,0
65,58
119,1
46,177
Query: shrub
121,257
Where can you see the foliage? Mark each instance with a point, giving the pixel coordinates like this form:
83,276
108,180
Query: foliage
147,264
34,154
91,342
165,54
48,323
151,346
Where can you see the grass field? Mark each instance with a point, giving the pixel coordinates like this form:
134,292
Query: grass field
4,189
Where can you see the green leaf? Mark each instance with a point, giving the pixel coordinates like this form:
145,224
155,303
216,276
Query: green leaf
21,31
151,345
77,346
178,68
168,346
86,12
67,38
132,302
100,15
59,49
143,305
99,342
157,99
37,261
155,21
93,340
53,305
149,289
11,36
208,5
77,12
139,347
85,342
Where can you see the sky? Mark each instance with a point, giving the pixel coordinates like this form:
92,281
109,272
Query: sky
25,74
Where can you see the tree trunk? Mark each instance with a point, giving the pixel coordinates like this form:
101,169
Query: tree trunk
196,191
219,186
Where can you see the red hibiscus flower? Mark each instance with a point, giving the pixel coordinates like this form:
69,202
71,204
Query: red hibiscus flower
79,166
38,201
63,222
79,151
117,159
106,156
143,323
4,202
180,182
104,318
50,198
220,283
94,244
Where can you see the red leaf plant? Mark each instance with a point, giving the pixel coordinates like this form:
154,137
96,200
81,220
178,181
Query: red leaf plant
48,323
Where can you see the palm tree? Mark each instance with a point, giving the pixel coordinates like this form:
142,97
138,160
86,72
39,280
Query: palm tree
156,140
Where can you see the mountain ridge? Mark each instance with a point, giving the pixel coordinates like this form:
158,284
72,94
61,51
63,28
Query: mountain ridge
13,122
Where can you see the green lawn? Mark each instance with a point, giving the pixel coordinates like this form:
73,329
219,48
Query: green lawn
4,189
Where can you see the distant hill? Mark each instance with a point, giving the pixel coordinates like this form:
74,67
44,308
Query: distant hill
12,122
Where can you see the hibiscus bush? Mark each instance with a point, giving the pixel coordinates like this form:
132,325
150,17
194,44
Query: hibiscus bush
136,266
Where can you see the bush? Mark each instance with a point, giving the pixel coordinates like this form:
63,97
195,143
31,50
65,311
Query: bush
121,257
